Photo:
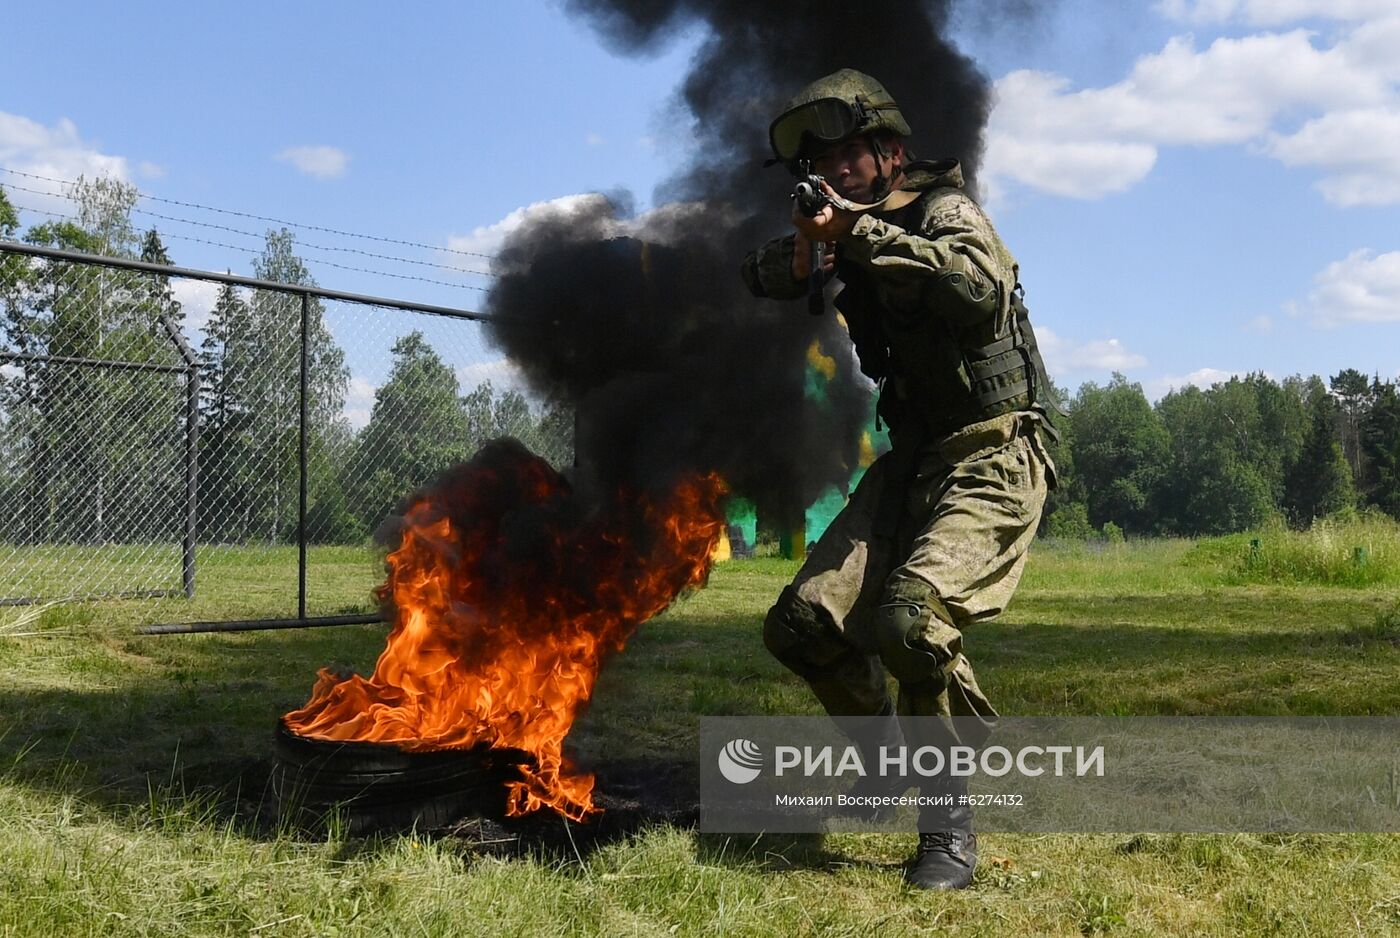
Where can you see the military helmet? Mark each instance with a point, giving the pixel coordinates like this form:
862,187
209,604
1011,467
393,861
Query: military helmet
841,105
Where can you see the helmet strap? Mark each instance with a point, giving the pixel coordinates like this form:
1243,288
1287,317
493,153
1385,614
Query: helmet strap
881,151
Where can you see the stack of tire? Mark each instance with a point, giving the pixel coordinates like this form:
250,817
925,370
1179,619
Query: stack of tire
373,787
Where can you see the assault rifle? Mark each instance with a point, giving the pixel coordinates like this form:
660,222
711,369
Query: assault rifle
811,198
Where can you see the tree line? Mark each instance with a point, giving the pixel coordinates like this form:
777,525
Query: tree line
1226,458
94,454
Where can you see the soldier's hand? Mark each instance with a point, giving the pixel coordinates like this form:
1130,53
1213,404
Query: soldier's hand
802,257
829,225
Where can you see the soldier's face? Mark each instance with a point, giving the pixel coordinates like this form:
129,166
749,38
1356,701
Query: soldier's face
853,166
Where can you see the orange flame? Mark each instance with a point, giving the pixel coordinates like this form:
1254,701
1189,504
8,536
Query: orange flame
506,599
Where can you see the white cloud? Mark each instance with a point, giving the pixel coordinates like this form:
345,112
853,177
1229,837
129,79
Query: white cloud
1091,142
58,152
1372,46
488,239
1081,170
1362,287
593,139
197,299
359,401
1360,148
321,162
1259,325
502,373
1271,12
1065,356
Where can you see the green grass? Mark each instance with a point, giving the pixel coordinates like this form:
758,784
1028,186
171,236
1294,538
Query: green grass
231,581
1361,550
130,766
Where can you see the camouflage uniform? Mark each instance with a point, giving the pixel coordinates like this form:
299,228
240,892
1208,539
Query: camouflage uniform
935,536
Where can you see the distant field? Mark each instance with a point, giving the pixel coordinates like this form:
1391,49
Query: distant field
118,754
231,582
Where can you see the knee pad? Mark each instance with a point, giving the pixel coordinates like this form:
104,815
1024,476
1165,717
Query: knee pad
918,643
795,635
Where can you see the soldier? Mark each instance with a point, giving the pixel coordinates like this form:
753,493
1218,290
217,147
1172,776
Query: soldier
935,536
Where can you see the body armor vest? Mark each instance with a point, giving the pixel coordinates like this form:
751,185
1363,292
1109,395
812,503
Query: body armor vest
937,376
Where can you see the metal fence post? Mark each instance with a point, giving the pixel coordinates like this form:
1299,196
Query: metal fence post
191,477
304,449
191,452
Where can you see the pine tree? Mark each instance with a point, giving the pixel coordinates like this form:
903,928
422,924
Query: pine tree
1353,394
1380,440
416,430
144,421
227,490
268,359
1321,482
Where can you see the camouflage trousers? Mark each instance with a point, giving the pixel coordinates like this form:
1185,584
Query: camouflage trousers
965,512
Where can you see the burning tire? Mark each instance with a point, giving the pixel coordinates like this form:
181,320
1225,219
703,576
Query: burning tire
377,787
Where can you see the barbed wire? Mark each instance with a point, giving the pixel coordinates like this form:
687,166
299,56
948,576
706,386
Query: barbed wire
260,236
318,260
250,215
323,247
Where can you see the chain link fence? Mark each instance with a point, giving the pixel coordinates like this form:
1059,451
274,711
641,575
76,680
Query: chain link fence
229,442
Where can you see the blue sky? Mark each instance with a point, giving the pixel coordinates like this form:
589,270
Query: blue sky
1193,187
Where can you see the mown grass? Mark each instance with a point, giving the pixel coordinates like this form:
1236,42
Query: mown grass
127,764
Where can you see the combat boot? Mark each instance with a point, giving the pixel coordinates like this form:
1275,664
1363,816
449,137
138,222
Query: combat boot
947,853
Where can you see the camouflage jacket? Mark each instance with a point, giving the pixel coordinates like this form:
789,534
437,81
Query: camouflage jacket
930,300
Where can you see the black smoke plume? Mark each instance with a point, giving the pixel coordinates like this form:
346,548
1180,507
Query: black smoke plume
645,324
